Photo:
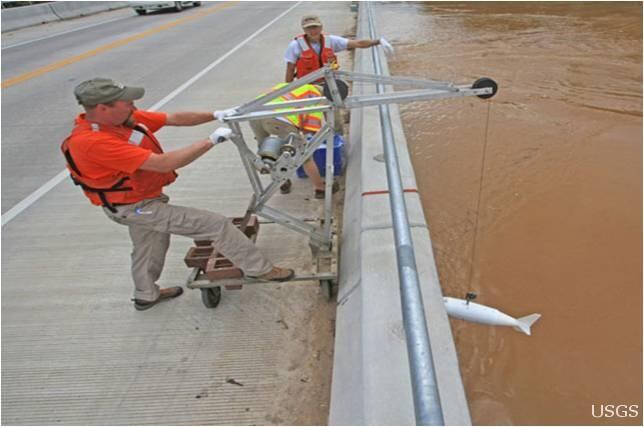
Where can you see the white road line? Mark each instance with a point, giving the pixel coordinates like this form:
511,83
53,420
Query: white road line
64,32
200,74
33,197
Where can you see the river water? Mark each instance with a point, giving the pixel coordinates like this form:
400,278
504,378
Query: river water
560,215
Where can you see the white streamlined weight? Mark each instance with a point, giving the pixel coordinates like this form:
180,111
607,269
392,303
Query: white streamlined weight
472,312
33,197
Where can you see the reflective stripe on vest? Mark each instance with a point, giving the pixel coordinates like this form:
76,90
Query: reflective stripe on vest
136,137
311,122
302,42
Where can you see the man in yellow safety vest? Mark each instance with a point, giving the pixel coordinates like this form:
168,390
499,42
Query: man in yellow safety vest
301,124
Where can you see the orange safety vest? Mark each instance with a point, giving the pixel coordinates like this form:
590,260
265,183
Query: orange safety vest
309,60
116,188
311,122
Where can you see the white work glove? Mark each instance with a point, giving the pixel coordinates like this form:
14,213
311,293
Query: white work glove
221,115
220,135
386,46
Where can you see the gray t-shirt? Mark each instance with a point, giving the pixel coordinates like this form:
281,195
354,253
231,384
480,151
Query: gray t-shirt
336,43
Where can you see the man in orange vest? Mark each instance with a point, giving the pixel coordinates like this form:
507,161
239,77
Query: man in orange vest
312,50
113,155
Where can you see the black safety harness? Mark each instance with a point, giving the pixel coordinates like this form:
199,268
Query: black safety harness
99,191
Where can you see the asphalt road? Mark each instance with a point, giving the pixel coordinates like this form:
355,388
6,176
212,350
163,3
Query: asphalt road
74,350
159,51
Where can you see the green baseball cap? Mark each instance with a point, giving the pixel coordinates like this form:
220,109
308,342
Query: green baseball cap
102,91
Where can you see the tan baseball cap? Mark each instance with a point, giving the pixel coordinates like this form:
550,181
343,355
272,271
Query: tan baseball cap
311,21
100,90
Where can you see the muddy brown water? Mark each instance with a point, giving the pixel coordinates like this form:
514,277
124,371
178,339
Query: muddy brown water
560,217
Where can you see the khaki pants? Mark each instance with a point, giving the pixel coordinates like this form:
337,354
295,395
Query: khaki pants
152,221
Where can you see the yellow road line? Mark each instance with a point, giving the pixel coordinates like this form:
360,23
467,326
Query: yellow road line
63,63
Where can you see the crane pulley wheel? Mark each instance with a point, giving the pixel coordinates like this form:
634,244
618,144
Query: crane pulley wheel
484,82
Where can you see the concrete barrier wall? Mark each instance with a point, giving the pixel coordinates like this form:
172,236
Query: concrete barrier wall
371,379
74,9
20,17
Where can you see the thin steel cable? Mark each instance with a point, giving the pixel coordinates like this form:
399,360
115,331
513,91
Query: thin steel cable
478,203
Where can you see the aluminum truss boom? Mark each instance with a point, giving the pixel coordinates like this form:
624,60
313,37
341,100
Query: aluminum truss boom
285,166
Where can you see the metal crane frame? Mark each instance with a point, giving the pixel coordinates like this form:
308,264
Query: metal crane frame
320,238
285,167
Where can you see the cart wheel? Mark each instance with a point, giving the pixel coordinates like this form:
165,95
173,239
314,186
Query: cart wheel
211,296
484,82
327,289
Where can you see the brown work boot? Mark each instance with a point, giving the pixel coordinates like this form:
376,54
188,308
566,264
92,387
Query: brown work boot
286,187
319,194
164,293
277,274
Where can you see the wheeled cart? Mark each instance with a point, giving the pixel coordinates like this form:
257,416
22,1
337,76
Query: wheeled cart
211,271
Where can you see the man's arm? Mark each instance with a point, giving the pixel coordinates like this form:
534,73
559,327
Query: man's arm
291,57
361,44
189,118
176,159
290,72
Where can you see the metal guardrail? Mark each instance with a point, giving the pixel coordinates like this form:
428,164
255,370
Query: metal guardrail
427,405
426,398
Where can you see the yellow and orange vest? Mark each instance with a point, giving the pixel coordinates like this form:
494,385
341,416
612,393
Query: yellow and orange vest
310,122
